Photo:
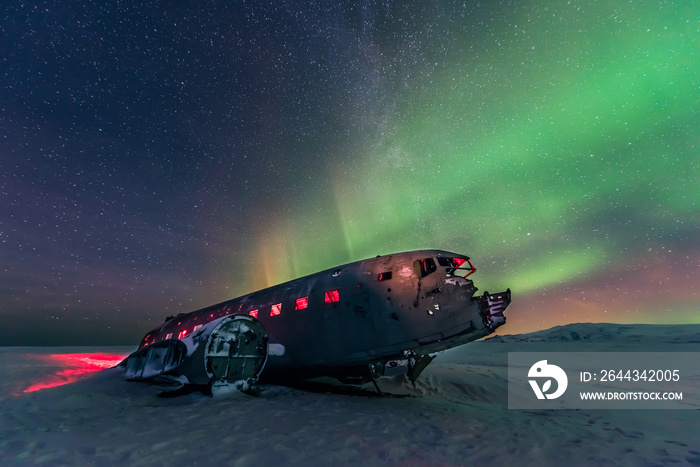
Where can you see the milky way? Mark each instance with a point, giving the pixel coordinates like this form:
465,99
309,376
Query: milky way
158,158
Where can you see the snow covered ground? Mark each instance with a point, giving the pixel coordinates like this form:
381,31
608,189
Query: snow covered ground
457,414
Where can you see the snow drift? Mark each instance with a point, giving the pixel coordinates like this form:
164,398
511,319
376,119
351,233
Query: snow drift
455,415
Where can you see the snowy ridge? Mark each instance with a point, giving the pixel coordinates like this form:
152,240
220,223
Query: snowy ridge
607,332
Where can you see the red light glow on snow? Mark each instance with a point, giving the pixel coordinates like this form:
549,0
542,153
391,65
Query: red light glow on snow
75,366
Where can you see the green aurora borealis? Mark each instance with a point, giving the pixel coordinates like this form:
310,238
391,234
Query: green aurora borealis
558,151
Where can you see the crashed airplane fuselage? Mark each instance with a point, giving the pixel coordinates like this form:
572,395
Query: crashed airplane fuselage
355,322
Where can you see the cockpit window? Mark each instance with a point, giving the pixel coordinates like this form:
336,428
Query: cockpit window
427,266
457,266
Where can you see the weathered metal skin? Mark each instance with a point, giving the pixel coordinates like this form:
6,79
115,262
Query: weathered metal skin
358,316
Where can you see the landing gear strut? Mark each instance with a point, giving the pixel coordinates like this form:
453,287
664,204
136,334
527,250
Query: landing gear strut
412,367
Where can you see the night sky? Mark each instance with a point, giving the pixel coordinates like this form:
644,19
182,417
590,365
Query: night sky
159,157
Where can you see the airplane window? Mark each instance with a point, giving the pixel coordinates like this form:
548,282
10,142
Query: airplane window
147,340
182,334
332,296
302,303
384,276
169,336
457,266
253,313
451,262
276,309
427,266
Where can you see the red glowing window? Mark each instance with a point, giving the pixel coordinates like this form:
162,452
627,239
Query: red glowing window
253,313
332,296
302,303
384,276
169,336
182,334
146,340
276,309
197,327
457,266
